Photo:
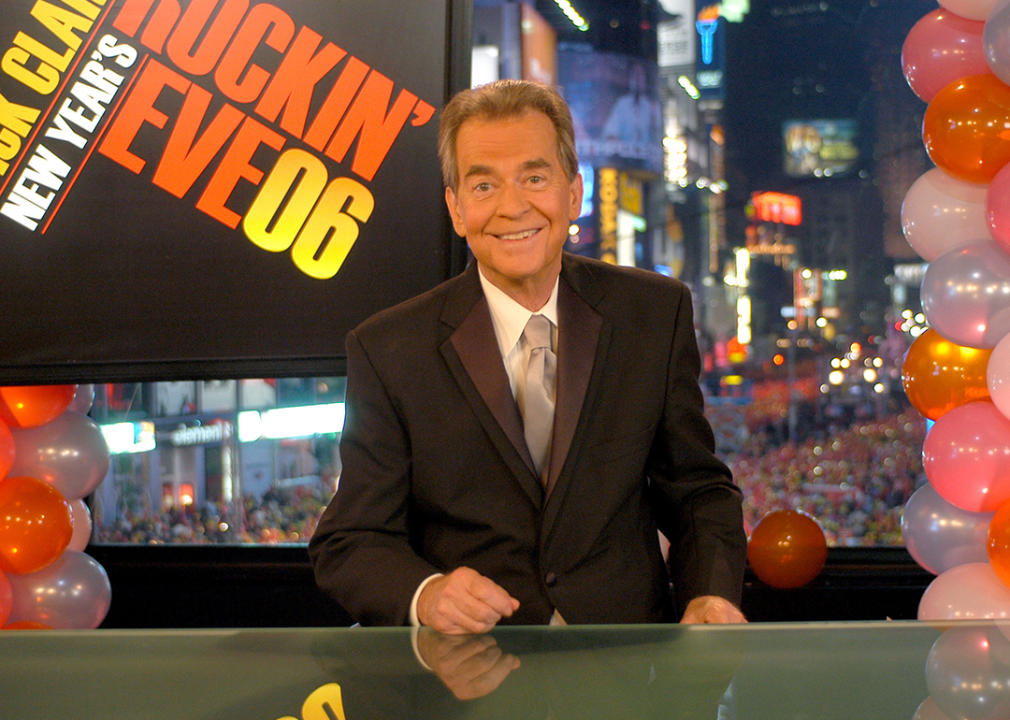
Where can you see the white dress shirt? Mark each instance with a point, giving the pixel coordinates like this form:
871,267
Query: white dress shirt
509,319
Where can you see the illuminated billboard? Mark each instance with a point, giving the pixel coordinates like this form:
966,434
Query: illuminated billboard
615,108
776,207
215,188
819,148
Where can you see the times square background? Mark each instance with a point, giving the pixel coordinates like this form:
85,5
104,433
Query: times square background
760,152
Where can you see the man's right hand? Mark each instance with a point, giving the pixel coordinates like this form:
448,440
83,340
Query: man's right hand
464,601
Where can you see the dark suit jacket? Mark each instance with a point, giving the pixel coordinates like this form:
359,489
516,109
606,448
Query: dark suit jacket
436,473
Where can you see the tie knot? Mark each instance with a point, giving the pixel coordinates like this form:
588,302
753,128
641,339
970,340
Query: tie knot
538,332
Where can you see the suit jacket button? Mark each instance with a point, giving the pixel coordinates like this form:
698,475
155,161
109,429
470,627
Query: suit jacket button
550,579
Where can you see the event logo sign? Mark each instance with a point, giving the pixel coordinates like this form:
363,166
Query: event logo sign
215,180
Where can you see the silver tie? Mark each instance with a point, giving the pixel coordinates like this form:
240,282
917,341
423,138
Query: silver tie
538,409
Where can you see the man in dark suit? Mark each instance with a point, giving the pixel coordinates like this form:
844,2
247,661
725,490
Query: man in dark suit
443,516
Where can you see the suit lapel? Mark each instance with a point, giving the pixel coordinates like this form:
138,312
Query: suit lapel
480,368
484,366
578,336
583,352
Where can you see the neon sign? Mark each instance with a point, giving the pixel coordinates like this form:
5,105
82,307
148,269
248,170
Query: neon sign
776,207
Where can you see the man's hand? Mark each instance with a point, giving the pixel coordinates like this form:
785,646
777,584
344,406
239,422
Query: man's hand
470,666
711,609
464,601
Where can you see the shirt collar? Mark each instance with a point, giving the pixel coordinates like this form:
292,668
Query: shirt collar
509,317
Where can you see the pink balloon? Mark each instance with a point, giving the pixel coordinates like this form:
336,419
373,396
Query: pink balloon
6,598
966,592
939,535
72,593
997,208
941,212
966,457
970,9
940,48
69,453
82,525
966,294
998,376
967,672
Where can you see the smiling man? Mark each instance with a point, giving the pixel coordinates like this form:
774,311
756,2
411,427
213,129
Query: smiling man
514,203
493,473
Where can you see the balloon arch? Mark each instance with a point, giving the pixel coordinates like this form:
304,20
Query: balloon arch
957,374
52,456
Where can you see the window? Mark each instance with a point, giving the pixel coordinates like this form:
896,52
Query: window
251,461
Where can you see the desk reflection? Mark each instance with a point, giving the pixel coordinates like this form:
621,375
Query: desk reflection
558,673
968,674
748,672
470,666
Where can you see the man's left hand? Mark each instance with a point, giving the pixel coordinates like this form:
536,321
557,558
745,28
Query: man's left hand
711,609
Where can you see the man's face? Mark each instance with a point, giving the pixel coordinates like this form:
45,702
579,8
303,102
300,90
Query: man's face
514,203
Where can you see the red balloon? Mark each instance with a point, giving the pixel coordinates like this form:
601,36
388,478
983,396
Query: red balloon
36,524
965,128
25,406
787,549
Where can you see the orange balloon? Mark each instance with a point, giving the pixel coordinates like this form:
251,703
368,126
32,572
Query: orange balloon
26,625
25,406
36,524
6,450
998,545
939,375
787,549
965,128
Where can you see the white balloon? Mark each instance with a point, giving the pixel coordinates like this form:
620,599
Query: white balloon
996,40
70,453
939,535
84,398
970,9
965,295
82,525
941,212
972,591
72,593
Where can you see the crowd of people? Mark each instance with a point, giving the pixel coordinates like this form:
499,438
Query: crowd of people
281,515
854,472
852,466
855,482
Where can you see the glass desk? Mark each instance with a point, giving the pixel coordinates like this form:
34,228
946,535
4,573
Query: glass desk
855,671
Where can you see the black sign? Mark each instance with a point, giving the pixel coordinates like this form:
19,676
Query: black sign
215,188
